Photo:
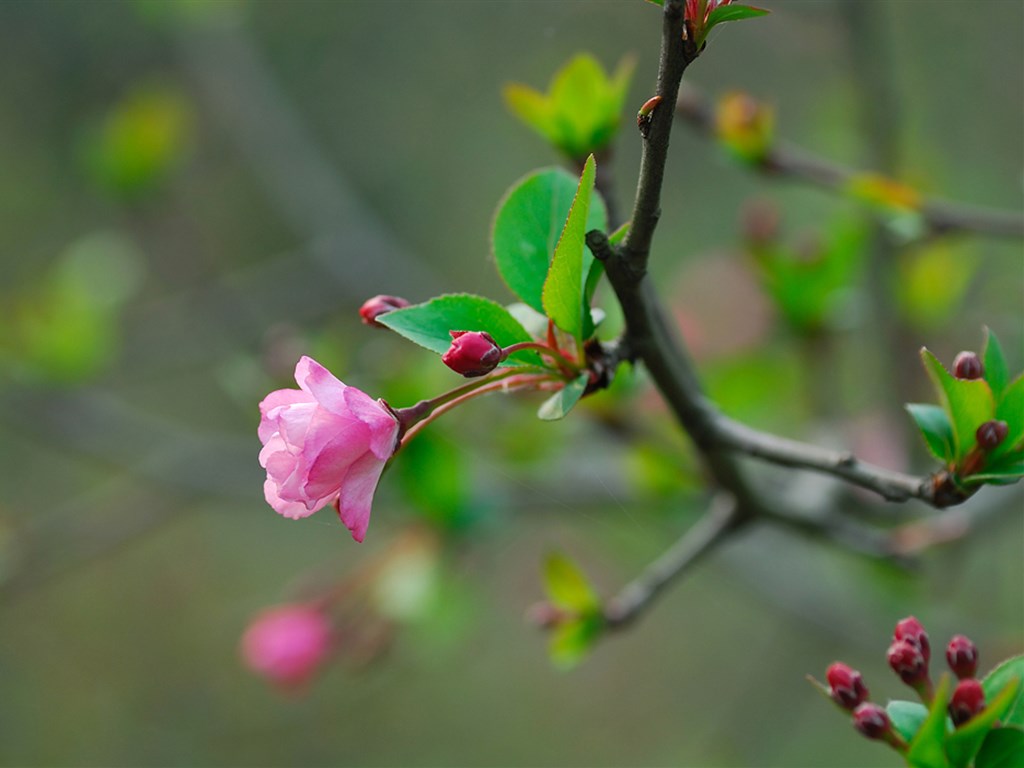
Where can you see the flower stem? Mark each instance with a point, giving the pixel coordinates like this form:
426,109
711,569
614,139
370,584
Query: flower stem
565,364
458,396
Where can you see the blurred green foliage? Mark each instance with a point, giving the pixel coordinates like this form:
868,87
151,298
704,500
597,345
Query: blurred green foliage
166,253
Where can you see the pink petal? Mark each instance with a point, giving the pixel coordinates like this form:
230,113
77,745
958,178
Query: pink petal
291,509
333,464
274,400
356,496
321,384
326,427
293,422
383,425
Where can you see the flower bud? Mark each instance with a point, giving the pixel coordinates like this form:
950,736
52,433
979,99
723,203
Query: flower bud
472,353
911,630
908,662
846,686
967,365
379,305
962,656
287,643
967,701
871,720
991,434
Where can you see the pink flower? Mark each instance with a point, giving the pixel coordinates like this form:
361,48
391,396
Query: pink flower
287,644
324,443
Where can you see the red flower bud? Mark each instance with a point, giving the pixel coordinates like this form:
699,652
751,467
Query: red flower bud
967,365
991,434
472,353
908,662
962,656
379,305
911,630
967,701
871,720
847,686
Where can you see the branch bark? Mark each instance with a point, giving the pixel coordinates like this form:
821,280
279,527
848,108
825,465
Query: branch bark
789,161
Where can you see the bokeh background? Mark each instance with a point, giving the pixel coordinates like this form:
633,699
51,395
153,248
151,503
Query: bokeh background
196,193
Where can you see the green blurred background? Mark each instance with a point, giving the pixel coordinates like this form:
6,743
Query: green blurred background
196,193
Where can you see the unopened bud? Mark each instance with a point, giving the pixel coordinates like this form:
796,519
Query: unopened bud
472,353
545,615
991,434
380,305
912,631
968,700
907,661
967,365
287,644
962,656
871,720
846,686
760,222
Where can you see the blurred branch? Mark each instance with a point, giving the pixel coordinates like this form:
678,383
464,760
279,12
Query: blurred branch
720,521
242,92
893,486
789,161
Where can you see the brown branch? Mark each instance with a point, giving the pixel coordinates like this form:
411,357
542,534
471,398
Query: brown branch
721,520
788,161
893,486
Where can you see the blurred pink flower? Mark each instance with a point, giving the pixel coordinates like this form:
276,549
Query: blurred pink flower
324,443
286,644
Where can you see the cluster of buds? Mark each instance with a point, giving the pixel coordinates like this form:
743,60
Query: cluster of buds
909,656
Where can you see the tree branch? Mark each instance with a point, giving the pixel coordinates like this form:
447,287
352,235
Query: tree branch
788,161
894,486
721,520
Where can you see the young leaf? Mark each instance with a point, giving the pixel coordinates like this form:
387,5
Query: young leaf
965,741
564,287
563,401
968,403
1003,748
1001,473
724,13
996,372
998,679
428,324
926,747
526,228
566,585
906,717
1011,410
934,425
572,640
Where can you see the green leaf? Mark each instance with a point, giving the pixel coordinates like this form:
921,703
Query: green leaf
566,586
1011,410
1003,748
965,741
926,747
968,403
563,290
573,639
998,679
997,373
906,717
527,226
1001,473
563,401
582,110
429,324
724,13
934,425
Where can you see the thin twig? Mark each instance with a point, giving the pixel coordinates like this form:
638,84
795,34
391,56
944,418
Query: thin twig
789,161
721,520
894,486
